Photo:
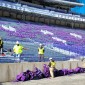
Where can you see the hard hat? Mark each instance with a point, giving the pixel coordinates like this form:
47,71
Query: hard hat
50,58
17,42
40,44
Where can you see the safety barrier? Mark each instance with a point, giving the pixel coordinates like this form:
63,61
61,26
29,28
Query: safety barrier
8,71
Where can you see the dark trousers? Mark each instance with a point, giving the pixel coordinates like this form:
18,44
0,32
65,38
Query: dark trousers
41,57
1,50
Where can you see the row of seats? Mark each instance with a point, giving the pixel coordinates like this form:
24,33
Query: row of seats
46,12
60,37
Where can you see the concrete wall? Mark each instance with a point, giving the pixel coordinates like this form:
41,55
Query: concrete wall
4,73
59,65
8,71
14,69
66,65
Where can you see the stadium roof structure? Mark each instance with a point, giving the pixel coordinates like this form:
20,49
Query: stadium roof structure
63,2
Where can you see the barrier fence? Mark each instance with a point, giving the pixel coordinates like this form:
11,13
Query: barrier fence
8,71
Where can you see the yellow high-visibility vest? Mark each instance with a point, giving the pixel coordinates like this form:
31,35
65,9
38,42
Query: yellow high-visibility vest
18,49
40,50
1,42
53,64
